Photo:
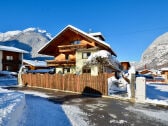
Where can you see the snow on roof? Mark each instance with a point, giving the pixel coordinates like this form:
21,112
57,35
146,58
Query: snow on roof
100,41
36,63
164,69
82,32
12,49
96,34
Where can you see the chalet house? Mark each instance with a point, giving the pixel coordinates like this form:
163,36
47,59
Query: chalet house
145,71
164,73
149,72
125,65
71,48
11,58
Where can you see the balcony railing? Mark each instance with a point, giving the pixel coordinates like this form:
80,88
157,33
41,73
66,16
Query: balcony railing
70,48
61,63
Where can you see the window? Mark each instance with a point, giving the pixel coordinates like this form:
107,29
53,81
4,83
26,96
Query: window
66,56
86,70
9,57
66,70
9,68
85,55
75,42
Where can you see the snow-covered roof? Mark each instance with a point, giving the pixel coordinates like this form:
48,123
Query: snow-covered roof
88,35
36,63
97,34
164,69
82,32
12,49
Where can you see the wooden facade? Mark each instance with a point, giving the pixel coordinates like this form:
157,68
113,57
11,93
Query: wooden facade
11,61
125,65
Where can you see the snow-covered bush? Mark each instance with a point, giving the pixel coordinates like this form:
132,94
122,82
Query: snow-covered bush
103,58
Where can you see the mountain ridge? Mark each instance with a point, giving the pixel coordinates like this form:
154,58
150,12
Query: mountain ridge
156,54
30,39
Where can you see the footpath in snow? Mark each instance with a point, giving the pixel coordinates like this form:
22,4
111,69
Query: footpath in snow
11,107
157,93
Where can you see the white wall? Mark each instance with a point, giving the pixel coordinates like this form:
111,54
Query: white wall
81,62
94,70
59,69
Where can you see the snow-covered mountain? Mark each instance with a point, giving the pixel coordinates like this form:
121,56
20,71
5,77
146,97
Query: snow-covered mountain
30,39
156,55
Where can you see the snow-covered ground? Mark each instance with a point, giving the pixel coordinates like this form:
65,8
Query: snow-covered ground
30,103
7,79
11,107
71,112
157,93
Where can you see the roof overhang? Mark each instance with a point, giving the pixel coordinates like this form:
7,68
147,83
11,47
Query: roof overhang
65,35
12,49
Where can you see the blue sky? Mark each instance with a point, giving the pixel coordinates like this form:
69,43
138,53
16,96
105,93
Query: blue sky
129,26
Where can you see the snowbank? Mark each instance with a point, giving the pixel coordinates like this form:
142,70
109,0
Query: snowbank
75,115
157,93
7,79
11,107
116,86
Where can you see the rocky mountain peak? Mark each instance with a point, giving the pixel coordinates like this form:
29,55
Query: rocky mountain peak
30,39
156,55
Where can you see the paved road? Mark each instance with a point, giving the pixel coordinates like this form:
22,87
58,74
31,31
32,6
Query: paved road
111,112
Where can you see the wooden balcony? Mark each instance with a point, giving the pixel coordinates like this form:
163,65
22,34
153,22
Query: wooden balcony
61,63
71,48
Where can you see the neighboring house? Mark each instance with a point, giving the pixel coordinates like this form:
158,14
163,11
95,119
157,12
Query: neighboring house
34,64
125,65
145,71
72,47
11,58
151,72
164,73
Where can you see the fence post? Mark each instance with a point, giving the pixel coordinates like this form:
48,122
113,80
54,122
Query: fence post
140,89
132,84
20,81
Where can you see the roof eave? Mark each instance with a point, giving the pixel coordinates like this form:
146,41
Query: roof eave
82,33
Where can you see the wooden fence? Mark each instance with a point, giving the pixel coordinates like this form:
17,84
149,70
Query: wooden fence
84,83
